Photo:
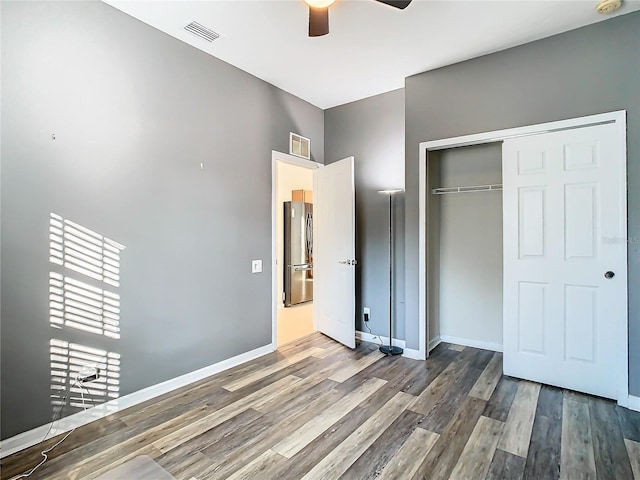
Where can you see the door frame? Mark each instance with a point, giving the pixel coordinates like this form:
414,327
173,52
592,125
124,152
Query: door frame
619,118
300,162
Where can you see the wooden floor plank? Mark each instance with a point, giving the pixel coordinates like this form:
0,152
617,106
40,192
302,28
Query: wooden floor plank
543,458
258,468
356,367
129,448
633,450
217,417
227,456
500,402
476,457
341,458
305,434
517,430
406,461
369,465
447,406
440,385
629,422
271,369
185,468
612,459
380,417
443,456
506,466
577,458
486,383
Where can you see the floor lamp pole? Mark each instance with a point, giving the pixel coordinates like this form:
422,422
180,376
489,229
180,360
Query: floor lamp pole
390,349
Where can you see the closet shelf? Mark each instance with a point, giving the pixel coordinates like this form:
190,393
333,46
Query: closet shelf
467,189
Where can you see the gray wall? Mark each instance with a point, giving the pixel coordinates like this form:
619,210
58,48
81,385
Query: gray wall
135,113
470,245
372,130
586,71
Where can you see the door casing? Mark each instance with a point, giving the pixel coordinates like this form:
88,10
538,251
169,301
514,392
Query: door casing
301,162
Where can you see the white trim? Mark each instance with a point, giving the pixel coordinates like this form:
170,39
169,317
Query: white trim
422,256
372,338
537,129
433,343
617,117
412,353
623,327
32,437
467,342
293,160
631,402
407,352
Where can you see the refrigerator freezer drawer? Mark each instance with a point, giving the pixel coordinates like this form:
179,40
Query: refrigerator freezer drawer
300,288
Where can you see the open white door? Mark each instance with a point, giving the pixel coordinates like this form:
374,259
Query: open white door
334,261
565,258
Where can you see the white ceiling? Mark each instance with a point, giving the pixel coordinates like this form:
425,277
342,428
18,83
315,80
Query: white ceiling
371,47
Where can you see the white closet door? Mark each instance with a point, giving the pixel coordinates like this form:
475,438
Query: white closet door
565,233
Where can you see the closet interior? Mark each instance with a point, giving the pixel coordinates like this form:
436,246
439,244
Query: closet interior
464,246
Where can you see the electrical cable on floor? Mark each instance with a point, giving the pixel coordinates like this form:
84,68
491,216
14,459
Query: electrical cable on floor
374,336
62,404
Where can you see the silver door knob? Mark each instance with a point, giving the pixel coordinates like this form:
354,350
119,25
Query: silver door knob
609,275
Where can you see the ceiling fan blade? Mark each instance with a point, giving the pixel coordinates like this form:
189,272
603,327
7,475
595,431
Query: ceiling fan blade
318,21
396,3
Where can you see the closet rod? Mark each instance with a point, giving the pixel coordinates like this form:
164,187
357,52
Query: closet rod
467,189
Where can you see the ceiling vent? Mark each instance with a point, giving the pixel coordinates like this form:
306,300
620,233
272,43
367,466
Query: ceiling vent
201,31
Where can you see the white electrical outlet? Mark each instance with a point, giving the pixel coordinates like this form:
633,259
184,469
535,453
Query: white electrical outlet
256,266
88,374
366,311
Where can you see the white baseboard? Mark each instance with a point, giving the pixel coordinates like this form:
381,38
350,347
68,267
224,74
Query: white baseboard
368,337
407,352
496,347
631,402
413,354
433,343
32,437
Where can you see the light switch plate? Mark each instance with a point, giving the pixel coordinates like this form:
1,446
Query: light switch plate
256,266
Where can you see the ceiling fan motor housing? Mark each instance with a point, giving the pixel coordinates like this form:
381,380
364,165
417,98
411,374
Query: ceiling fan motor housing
608,6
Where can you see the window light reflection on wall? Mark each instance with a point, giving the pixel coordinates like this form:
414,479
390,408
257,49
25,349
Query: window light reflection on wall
84,251
83,261
67,359
77,304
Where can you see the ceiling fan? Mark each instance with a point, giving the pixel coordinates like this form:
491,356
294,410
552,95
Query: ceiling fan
319,14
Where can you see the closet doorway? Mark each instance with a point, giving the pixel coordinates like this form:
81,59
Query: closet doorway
564,255
465,237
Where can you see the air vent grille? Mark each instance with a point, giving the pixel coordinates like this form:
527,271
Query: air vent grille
201,31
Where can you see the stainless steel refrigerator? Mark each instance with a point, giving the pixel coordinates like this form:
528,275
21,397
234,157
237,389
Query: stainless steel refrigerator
298,253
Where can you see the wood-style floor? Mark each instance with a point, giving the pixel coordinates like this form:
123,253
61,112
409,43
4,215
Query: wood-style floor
316,410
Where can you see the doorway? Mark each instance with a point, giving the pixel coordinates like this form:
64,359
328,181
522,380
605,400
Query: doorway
564,313
465,237
293,282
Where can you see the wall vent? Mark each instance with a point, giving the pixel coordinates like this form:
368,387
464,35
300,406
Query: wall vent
201,31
